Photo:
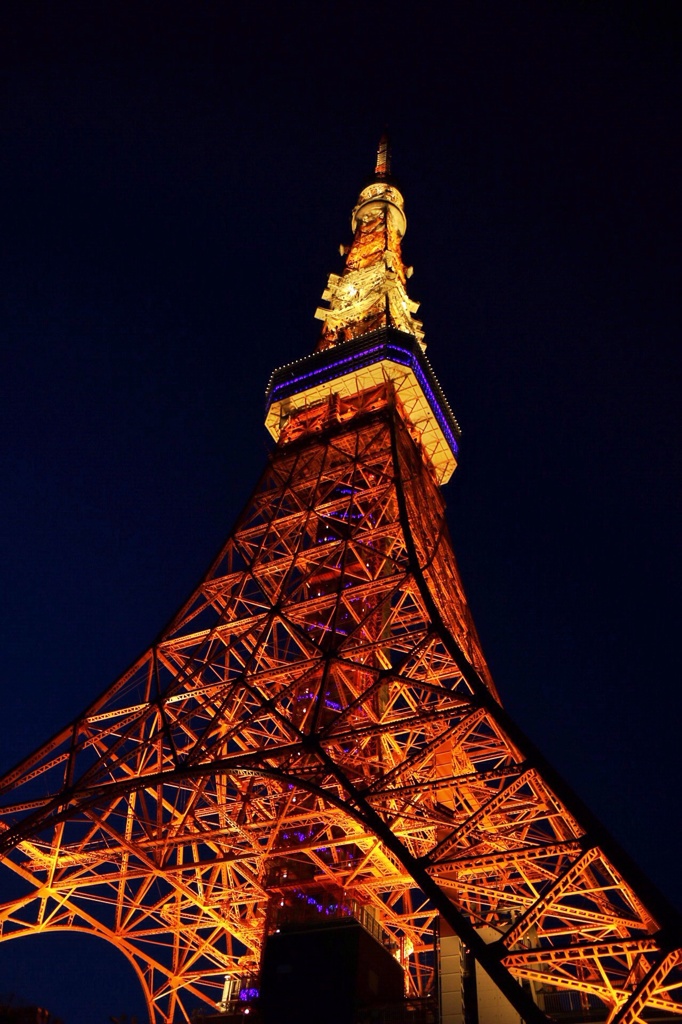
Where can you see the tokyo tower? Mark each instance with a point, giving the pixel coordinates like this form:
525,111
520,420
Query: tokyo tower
315,747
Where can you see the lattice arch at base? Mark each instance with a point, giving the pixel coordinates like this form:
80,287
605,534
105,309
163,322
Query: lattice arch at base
319,720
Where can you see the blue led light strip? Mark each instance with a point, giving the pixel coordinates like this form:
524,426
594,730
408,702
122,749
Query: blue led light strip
361,359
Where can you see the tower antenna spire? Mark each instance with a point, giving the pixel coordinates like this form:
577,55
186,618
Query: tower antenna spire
383,166
371,292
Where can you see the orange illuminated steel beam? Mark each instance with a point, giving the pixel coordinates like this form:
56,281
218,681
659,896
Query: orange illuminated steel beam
318,719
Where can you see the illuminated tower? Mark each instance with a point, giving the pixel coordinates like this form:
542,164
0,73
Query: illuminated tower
316,734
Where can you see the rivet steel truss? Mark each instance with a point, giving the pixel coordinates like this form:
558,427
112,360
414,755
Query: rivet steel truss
319,719
323,698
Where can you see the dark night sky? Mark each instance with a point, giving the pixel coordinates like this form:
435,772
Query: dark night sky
174,184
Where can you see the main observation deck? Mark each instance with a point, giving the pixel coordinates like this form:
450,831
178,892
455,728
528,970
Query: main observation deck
349,368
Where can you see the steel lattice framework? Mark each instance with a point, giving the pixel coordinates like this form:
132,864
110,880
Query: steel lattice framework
320,714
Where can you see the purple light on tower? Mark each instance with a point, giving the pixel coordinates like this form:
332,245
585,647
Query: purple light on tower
399,348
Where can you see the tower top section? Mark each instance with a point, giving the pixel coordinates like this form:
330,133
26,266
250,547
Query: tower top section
371,291
383,165
381,191
371,341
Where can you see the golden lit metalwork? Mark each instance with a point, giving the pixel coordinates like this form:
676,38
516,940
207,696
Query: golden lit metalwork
371,292
319,720
373,359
